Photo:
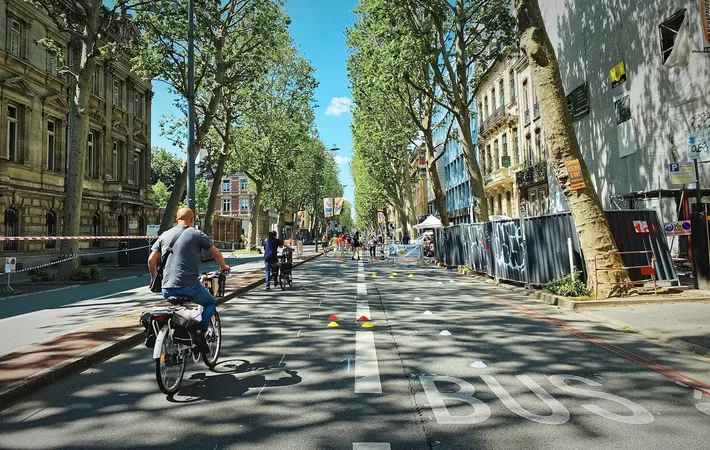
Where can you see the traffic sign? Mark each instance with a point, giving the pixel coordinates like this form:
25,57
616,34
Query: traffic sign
699,145
681,172
10,263
680,228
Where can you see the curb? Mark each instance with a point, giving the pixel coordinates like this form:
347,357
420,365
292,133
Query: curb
12,393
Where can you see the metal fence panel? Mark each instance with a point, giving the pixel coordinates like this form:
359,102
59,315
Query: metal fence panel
496,248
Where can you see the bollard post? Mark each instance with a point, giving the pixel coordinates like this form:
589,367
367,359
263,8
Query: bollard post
570,252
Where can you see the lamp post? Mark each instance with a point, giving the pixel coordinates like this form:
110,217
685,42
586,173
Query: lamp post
318,168
191,105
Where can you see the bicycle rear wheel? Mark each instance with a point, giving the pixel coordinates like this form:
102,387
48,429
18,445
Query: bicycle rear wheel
170,367
282,281
214,341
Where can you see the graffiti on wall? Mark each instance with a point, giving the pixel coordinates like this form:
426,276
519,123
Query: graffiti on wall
508,250
700,121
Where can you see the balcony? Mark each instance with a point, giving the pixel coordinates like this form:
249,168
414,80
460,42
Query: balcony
497,178
498,117
536,111
536,173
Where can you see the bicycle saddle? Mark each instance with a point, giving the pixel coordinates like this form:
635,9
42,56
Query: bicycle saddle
179,299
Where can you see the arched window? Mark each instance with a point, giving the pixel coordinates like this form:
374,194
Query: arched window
51,221
96,230
12,227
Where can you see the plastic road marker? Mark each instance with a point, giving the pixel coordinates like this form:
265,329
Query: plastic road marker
367,372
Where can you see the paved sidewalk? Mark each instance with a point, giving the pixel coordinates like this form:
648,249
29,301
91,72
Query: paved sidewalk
686,325
32,367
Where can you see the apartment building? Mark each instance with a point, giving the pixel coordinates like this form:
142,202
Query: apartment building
34,125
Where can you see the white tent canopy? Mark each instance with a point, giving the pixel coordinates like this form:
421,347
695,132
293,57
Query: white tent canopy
430,223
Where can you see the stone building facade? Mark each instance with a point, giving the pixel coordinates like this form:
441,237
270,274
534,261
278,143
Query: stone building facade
34,128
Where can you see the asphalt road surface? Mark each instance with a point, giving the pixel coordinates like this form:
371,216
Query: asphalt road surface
449,364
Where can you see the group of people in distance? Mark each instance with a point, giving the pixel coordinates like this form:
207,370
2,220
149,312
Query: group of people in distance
352,242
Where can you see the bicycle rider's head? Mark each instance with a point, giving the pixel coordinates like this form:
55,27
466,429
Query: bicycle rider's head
272,234
185,216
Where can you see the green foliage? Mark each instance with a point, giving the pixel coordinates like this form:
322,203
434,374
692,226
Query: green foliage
160,194
164,167
571,285
91,273
39,276
202,195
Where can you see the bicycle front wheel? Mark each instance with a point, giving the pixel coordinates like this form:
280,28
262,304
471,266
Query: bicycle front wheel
214,341
170,367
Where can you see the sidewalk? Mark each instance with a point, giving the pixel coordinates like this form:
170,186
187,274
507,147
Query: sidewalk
30,368
684,325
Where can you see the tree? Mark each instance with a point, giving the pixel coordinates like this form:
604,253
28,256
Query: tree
94,30
392,62
160,194
165,167
458,34
234,39
345,219
595,237
202,195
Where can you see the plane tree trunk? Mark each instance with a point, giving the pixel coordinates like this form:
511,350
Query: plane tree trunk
592,227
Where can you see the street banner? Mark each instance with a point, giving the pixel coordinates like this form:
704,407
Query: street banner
401,251
338,205
380,217
328,206
299,219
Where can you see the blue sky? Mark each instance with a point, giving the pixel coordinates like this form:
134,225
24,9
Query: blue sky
318,28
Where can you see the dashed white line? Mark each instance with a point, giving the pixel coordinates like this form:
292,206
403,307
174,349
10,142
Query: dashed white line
363,309
367,372
361,289
371,446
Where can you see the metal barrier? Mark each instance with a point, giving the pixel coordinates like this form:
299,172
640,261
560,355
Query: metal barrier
645,270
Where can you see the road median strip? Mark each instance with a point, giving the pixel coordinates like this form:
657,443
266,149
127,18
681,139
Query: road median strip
30,368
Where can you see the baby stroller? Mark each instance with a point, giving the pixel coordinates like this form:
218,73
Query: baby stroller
285,267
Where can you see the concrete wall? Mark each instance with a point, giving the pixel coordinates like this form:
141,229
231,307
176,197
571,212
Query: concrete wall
590,37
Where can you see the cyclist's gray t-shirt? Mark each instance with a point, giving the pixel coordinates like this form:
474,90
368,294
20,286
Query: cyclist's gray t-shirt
183,266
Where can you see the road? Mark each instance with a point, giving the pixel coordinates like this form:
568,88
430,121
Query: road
34,318
450,364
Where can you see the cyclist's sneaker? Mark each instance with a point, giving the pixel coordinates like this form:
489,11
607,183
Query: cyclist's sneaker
200,342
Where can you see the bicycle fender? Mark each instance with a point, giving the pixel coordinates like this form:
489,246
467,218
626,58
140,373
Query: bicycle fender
159,342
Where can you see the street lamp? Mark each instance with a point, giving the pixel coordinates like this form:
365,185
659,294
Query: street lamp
191,105
318,168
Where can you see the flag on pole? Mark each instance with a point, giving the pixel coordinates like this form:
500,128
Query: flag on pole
328,206
338,205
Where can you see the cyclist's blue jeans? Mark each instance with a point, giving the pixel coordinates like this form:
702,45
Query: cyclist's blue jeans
201,296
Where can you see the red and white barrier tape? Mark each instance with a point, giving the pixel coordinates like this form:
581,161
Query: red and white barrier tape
72,238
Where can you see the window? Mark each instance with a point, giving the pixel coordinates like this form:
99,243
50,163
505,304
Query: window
526,99
96,82
669,32
485,107
226,185
137,167
118,93
114,161
226,205
505,144
243,184
511,84
96,230
52,59
12,132
51,229
496,155
494,104
51,145
15,40
138,104
516,145
90,156
12,227
538,144
528,150
245,204
501,92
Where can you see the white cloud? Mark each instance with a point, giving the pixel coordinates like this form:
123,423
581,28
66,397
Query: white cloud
339,106
341,159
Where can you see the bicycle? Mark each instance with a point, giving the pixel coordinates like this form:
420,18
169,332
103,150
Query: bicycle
173,330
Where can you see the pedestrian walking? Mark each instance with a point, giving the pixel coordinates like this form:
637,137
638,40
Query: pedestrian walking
373,247
356,245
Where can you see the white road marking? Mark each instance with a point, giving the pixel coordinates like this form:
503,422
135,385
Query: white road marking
361,289
282,358
371,446
360,268
559,414
260,391
698,395
361,277
478,365
367,372
363,309
298,334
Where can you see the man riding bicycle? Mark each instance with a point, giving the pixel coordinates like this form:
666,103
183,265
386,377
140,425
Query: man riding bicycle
271,250
182,270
